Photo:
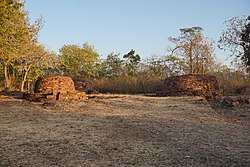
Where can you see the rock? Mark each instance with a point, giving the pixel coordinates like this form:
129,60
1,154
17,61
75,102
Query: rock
226,102
234,101
234,104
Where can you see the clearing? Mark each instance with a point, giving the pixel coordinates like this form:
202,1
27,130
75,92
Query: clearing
123,130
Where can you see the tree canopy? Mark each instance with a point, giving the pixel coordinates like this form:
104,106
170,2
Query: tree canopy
19,48
78,61
132,61
23,59
113,65
195,48
236,38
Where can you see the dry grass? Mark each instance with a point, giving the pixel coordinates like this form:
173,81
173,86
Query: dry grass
128,84
122,130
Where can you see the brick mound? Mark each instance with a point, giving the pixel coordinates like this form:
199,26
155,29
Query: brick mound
55,88
52,84
190,85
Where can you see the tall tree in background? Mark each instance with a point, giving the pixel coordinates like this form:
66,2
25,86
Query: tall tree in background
176,65
237,39
195,48
169,65
132,61
78,61
157,66
113,65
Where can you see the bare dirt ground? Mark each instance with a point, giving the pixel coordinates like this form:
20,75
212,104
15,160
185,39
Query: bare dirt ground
123,130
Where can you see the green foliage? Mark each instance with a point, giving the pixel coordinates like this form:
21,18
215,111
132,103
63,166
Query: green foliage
166,66
23,59
20,53
78,61
176,65
131,62
236,38
34,63
13,32
113,65
169,65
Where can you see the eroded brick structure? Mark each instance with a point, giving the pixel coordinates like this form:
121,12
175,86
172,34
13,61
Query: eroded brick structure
56,88
190,85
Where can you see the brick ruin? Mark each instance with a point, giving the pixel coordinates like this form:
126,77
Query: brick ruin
55,88
190,85
85,86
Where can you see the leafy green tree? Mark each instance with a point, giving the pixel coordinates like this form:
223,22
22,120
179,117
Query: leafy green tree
169,65
195,48
78,61
176,65
13,31
114,65
101,68
132,61
157,66
35,59
18,42
236,38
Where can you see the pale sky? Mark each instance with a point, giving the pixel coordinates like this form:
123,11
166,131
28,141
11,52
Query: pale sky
121,25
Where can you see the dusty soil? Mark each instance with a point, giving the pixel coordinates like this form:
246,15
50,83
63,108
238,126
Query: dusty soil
123,130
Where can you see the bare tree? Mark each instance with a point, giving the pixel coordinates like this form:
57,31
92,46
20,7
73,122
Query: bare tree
236,38
195,48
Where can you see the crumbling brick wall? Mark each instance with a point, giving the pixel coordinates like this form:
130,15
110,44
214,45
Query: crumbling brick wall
84,86
190,85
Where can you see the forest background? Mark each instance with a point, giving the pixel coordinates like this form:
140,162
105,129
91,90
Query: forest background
23,58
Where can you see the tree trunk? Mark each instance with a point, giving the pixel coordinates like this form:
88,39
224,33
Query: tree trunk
25,74
22,86
7,79
191,62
